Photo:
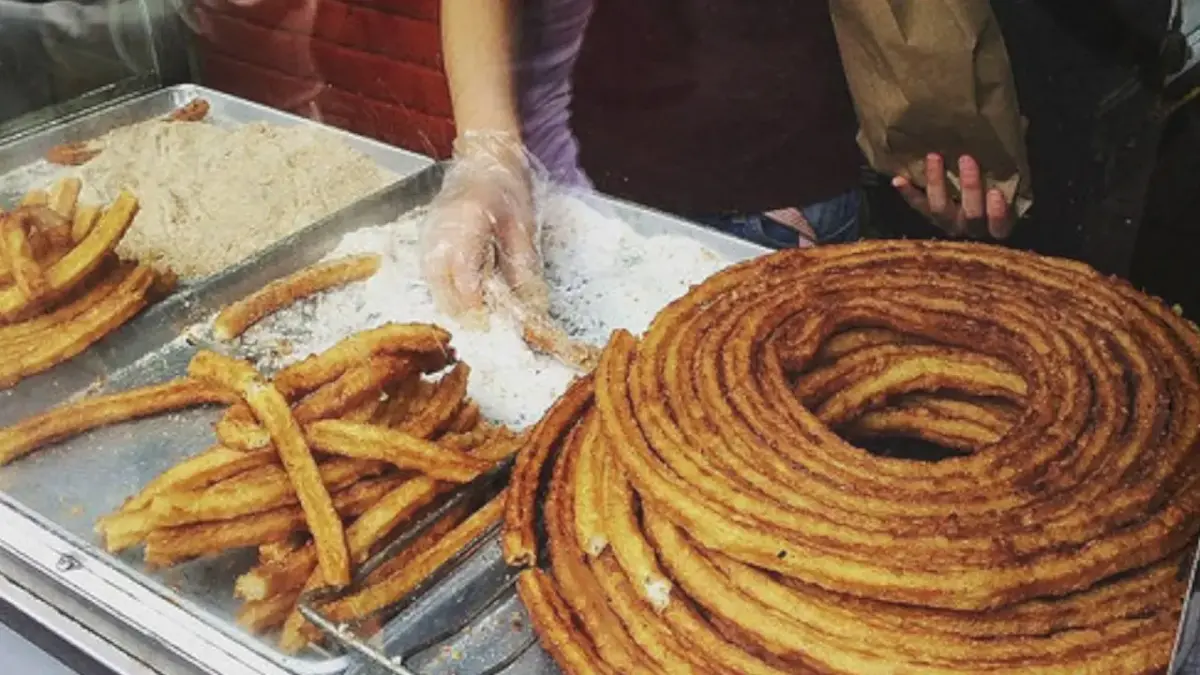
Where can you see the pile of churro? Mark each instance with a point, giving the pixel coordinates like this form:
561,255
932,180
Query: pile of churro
699,505
62,288
317,467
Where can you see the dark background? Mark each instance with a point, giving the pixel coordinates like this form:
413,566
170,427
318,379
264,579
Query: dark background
1115,158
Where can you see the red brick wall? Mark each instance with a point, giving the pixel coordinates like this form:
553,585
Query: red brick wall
369,66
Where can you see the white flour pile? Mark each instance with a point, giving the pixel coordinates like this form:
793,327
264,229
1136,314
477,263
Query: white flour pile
212,196
603,276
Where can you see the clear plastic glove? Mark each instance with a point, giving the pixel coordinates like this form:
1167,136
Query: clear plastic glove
483,223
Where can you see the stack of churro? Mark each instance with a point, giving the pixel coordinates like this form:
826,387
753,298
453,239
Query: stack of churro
702,512
61,286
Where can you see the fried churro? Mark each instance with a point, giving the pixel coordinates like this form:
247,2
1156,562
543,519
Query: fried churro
81,261
272,411
405,451
236,318
738,532
82,416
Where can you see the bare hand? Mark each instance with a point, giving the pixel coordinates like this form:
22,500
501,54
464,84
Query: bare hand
978,205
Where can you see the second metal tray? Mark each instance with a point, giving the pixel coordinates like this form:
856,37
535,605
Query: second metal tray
22,167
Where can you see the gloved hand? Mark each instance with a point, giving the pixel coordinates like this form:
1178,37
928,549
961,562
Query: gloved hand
483,221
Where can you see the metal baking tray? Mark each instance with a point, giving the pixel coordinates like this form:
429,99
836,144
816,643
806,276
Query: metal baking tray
50,500
22,166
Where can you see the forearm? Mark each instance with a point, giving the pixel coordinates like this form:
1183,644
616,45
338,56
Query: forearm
477,46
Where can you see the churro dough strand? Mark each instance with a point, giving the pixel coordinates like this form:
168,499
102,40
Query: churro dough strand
261,616
236,318
438,413
272,411
35,198
1048,540
260,490
352,390
195,110
71,154
82,416
719,346
519,538
211,466
556,632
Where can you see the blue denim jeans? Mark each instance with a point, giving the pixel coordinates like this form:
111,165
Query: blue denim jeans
834,221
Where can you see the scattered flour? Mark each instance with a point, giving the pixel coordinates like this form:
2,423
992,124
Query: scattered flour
212,196
602,274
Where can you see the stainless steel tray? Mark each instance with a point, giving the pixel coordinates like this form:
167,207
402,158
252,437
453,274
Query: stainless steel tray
22,168
21,159
50,500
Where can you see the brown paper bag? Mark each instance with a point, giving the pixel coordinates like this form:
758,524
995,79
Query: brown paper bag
933,76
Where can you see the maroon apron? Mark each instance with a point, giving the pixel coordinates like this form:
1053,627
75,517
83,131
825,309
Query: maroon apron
703,107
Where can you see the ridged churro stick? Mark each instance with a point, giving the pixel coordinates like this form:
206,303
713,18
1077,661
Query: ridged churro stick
236,318
367,441
169,546
253,492
35,198
393,588
36,354
351,391
272,410
429,341
88,414
375,524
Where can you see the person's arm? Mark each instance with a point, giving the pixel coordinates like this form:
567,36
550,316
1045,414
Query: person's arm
478,41
483,219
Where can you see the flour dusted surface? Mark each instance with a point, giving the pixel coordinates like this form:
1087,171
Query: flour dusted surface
603,276
212,196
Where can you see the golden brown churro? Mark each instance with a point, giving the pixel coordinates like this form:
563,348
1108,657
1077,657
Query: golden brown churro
429,342
273,413
81,261
236,318
1042,540
82,416
367,441
195,110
